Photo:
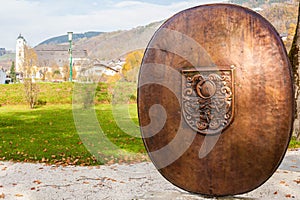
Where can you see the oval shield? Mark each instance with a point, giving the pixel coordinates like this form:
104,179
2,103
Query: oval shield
215,100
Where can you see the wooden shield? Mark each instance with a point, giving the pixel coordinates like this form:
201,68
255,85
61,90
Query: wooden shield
215,100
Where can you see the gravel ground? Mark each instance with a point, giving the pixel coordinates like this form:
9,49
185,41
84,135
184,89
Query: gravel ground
136,181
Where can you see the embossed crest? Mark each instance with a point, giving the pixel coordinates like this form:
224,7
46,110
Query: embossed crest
208,99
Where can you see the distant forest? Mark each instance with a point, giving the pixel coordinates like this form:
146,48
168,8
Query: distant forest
64,38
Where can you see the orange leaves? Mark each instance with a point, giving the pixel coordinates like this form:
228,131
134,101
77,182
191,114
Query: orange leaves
37,182
288,195
297,181
283,183
65,160
76,161
132,64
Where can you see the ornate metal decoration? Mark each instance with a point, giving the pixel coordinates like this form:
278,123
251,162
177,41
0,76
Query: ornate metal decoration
208,99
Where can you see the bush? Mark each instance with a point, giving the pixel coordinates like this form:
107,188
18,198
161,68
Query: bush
41,102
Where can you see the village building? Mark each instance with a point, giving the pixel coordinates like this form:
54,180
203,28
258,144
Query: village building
20,53
2,76
53,61
2,51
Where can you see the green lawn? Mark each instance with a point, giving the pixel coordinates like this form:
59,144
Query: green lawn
61,93
50,93
48,134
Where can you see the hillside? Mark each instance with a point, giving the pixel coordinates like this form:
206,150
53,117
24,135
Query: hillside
282,14
104,46
8,56
113,45
64,38
6,60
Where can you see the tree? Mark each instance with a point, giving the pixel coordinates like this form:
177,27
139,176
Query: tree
48,76
294,56
56,74
31,92
132,65
13,72
44,64
30,60
29,70
290,36
66,72
111,79
281,16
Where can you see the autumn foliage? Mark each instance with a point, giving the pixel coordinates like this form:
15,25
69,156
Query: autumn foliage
132,65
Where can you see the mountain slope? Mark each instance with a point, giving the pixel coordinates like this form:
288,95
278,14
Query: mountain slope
104,46
114,45
64,38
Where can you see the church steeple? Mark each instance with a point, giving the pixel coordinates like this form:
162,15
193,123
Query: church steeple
21,37
20,46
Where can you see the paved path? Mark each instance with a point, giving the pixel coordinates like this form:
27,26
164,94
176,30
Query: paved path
137,181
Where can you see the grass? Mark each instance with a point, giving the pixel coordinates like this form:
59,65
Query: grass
48,134
52,134
50,93
294,143
61,93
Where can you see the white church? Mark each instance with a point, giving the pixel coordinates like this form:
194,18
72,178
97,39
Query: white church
20,54
20,58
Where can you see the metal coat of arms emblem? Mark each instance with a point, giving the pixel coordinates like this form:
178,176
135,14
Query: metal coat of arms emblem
208,99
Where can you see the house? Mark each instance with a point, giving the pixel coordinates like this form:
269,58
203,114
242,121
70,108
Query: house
2,76
2,51
93,70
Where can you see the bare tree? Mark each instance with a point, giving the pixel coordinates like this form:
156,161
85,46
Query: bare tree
31,92
30,62
43,68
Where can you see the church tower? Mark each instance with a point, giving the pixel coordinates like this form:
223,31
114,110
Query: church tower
20,47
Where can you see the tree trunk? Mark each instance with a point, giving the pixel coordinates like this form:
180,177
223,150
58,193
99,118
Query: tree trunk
294,56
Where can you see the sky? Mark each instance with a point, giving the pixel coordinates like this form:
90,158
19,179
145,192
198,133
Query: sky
38,20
